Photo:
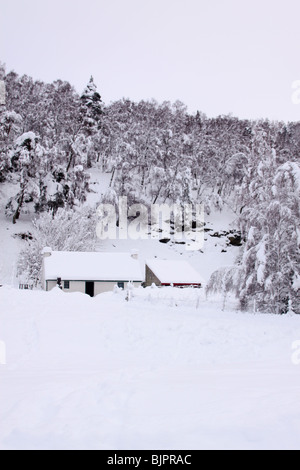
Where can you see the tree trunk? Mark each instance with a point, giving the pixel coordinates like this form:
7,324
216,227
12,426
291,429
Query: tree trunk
112,177
157,196
20,204
71,159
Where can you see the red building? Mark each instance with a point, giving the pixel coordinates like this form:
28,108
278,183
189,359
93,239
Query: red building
167,273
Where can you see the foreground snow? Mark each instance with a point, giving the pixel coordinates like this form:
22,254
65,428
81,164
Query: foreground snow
152,373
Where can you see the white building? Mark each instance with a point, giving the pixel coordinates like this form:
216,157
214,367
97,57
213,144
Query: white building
90,273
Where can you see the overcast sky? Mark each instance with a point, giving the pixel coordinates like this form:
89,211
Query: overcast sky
218,56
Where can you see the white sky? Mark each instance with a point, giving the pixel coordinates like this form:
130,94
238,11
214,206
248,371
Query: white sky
218,56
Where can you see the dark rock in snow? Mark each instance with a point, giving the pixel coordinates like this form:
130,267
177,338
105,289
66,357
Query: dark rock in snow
235,240
24,236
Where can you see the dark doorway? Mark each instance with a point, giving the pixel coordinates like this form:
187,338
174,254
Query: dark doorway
90,289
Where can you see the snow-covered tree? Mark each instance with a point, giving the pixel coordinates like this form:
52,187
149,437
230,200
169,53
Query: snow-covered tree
224,281
26,163
91,107
10,128
271,257
67,231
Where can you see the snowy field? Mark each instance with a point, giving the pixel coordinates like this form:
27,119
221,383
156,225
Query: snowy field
167,370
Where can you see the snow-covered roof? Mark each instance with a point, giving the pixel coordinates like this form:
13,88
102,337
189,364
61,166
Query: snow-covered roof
78,266
174,272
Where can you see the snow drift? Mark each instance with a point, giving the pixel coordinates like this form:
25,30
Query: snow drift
152,373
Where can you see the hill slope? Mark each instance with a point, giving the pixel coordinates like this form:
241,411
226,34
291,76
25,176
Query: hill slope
215,252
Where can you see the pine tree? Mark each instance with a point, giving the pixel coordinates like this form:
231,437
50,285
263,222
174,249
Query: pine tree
91,107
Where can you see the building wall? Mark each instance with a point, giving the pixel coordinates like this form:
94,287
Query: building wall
101,287
79,286
151,278
50,285
75,286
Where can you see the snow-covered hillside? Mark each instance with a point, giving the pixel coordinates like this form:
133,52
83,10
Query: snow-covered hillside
215,253
152,373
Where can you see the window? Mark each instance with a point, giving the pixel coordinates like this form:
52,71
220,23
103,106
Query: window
66,284
121,285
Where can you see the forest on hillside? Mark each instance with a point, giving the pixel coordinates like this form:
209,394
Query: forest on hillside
50,136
